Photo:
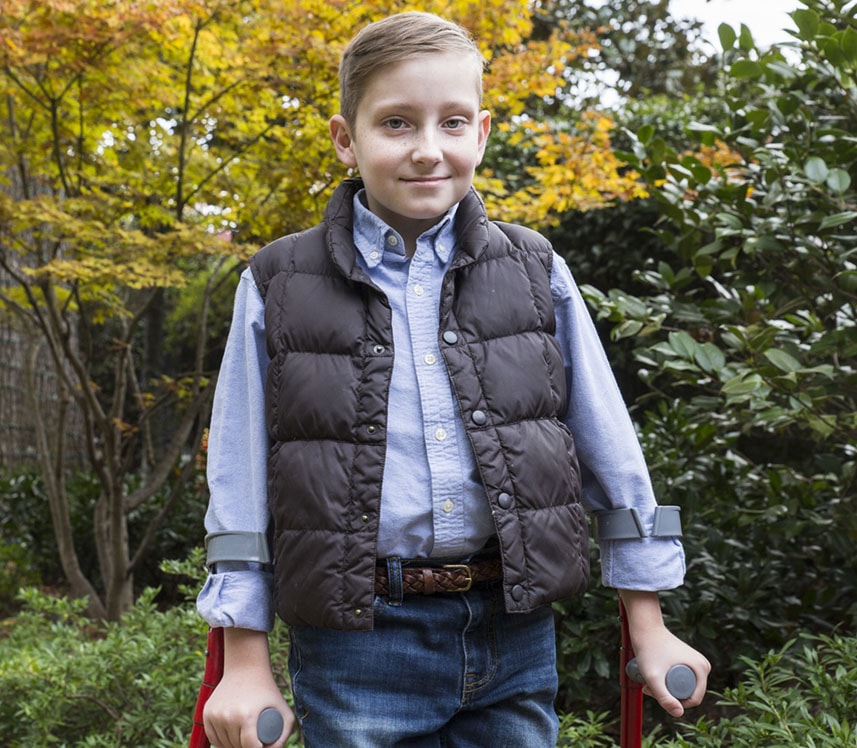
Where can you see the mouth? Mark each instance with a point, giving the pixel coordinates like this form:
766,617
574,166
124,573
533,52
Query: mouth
425,181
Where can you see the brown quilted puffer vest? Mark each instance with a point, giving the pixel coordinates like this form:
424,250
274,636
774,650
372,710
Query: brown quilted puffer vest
330,342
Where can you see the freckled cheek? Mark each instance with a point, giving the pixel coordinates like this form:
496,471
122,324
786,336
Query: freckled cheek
382,147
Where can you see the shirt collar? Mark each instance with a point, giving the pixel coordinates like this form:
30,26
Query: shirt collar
373,237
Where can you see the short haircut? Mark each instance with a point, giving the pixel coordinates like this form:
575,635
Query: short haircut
395,38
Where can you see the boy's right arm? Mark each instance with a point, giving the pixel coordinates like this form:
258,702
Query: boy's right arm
247,688
239,599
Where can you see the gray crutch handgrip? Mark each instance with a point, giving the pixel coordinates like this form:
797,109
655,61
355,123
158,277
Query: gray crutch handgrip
681,680
269,726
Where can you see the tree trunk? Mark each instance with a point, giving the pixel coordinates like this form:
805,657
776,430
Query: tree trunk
52,464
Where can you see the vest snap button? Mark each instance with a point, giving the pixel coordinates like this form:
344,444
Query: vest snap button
358,612
378,349
517,593
479,418
370,429
505,500
450,337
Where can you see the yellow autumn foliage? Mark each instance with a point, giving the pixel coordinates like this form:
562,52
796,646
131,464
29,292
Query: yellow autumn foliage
138,133
573,169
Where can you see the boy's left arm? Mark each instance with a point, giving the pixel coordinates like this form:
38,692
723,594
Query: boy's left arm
657,649
639,540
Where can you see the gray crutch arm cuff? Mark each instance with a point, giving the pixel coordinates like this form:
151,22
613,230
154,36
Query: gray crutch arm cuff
625,524
234,549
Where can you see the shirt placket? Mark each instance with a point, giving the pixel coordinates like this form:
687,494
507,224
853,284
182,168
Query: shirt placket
440,425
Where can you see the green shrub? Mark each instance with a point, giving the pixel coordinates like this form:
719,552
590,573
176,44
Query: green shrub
588,633
25,521
584,732
770,550
802,695
16,570
67,680
746,338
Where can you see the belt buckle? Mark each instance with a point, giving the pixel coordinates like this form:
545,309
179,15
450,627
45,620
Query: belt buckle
468,583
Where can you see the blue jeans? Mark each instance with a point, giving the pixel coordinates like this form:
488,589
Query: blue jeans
446,670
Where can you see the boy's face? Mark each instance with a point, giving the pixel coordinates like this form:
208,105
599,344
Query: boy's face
417,139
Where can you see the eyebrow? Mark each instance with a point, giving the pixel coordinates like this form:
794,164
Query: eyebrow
405,106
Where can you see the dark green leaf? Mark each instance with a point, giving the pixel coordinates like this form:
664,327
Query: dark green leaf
746,69
683,344
837,219
815,169
782,360
727,36
838,180
807,23
745,39
848,43
710,358
644,134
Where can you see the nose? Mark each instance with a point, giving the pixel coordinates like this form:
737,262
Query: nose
427,148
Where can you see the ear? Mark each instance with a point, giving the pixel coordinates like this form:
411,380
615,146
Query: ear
340,134
484,125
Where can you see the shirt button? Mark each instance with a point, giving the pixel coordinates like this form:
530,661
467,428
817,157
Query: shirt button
440,434
430,359
374,255
392,240
419,290
448,506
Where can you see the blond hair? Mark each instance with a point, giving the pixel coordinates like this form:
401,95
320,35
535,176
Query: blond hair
393,39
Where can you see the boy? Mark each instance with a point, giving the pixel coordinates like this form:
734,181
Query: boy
405,378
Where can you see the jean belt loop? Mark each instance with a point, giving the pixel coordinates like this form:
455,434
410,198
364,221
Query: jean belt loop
394,576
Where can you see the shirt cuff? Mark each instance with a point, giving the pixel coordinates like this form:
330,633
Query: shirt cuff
646,564
238,599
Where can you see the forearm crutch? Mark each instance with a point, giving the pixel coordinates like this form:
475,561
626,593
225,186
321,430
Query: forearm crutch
627,524
680,682
241,548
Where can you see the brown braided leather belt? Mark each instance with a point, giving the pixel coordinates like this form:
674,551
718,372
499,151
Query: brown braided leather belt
428,580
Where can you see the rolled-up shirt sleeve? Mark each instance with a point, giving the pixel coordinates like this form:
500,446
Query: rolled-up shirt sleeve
613,470
237,467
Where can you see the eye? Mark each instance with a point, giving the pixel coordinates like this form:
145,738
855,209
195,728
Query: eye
395,123
455,123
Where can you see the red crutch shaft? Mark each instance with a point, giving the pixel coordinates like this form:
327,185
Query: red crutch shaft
211,677
631,718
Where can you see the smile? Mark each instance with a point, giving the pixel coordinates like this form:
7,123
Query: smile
427,181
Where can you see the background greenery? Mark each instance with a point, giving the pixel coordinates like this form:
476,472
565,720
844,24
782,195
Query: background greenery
727,303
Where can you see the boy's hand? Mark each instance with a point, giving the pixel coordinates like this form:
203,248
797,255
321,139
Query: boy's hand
658,649
231,714
247,688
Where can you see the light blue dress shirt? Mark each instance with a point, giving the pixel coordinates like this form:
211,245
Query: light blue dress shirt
432,502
